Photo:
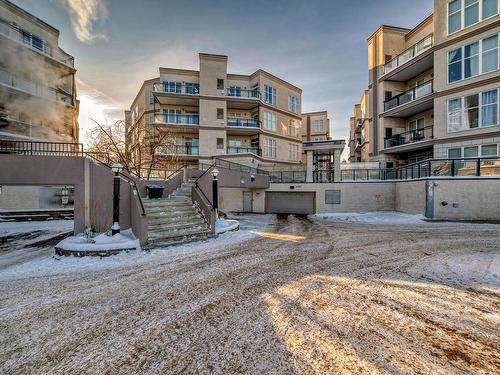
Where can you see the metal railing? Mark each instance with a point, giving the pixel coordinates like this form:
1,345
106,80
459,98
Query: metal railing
242,122
167,118
179,150
415,50
462,167
242,93
15,33
323,176
411,136
243,150
239,167
177,88
290,176
41,148
410,95
34,88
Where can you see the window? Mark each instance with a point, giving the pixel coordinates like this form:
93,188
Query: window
234,91
454,16
220,143
473,111
269,94
318,125
234,143
293,129
269,148
293,104
171,86
293,152
416,124
465,13
473,59
388,58
220,113
473,151
270,121
332,196
387,95
151,98
220,84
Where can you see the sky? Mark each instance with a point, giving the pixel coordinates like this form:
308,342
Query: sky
319,46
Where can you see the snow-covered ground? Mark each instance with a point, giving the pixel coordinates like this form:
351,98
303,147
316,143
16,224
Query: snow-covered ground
48,264
13,227
226,225
379,217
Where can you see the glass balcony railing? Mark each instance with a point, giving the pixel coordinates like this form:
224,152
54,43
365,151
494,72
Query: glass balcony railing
410,53
411,136
179,150
242,150
177,88
412,94
241,93
34,42
242,122
167,118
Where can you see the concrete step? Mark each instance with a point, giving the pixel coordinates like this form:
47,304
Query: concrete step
175,242
172,208
174,235
177,229
172,214
173,197
168,203
184,223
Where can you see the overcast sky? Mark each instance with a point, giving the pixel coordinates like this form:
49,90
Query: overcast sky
319,46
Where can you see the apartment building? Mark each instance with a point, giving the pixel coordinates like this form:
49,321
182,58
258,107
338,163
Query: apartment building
359,131
37,80
315,126
433,89
192,116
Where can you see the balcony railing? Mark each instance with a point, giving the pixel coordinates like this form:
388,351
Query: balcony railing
243,150
177,88
242,122
410,53
173,119
34,88
411,136
34,42
411,95
242,93
179,150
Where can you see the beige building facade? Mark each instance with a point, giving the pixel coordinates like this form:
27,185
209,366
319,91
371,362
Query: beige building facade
315,126
433,89
201,114
37,80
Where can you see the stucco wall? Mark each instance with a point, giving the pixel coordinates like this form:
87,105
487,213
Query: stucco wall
410,197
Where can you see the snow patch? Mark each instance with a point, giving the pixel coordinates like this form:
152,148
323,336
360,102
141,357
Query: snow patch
379,217
15,227
125,240
226,225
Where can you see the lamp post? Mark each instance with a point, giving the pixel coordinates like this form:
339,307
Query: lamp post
116,168
215,192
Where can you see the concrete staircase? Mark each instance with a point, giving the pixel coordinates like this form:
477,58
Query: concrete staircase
175,220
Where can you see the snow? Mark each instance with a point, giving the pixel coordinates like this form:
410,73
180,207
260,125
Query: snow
125,240
14,227
379,217
226,225
50,265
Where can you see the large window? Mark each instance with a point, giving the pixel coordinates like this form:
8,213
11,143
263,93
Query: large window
318,125
473,151
473,59
172,86
270,121
293,104
293,152
293,129
269,148
269,94
473,111
465,13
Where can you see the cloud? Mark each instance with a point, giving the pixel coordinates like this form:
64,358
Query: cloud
84,13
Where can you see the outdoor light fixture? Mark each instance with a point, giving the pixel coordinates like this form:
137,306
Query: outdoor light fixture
252,178
116,168
215,193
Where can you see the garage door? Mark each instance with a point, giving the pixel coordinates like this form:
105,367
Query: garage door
290,203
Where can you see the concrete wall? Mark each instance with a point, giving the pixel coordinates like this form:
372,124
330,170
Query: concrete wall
410,197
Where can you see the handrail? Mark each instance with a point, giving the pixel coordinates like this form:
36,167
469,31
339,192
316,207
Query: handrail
390,66
201,191
415,93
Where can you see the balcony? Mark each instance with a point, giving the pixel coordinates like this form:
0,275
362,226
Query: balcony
415,94
35,43
242,93
188,150
34,88
242,122
412,136
397,65
243,150
177,88
174,119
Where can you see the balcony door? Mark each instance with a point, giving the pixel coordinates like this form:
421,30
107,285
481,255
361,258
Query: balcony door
192,146
172,116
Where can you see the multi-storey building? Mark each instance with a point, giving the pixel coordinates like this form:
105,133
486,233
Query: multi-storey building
433,90
315,126
192,116
37,80
359,131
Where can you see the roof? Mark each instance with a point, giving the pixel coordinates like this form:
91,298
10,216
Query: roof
28,15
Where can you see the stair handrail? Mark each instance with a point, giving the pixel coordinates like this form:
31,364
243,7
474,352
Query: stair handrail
200,190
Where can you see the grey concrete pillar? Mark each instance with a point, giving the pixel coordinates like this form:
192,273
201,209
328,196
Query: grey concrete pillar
309,166
336,166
